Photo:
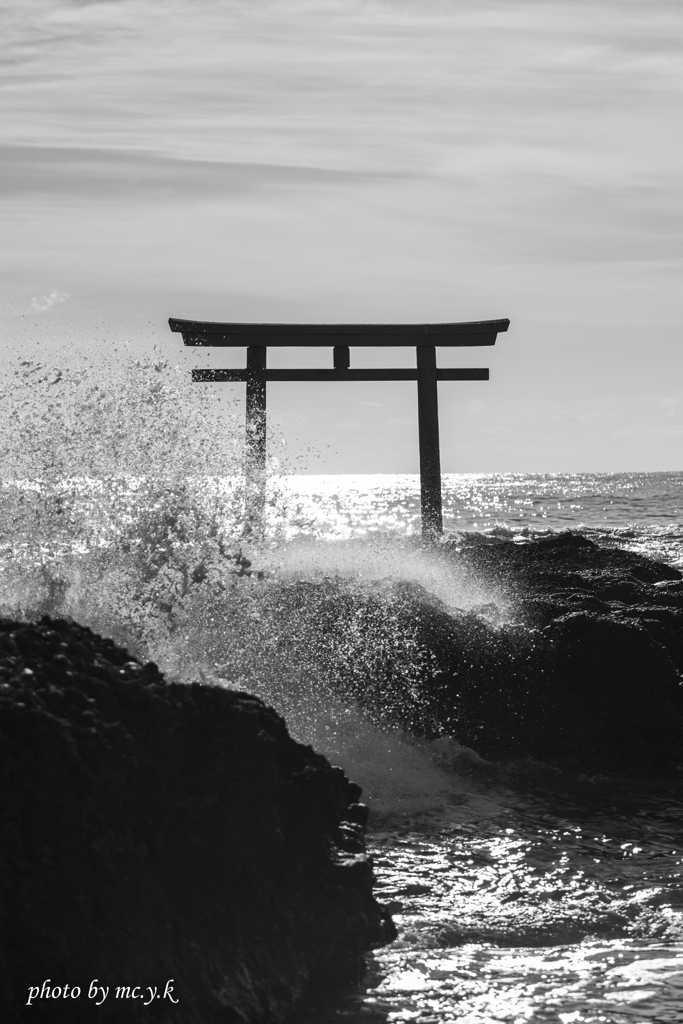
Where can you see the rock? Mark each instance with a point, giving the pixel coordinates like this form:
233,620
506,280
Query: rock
157,832
587,692
605,684
616,696
572,573
580,668
557,562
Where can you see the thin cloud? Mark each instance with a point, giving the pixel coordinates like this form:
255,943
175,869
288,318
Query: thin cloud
549,128
476,87
44,302
669,405
110,173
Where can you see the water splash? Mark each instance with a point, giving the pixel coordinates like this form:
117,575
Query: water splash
519,894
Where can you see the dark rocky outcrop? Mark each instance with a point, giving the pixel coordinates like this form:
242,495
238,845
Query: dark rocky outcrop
567,570
578,663
563,573
154,831
602,629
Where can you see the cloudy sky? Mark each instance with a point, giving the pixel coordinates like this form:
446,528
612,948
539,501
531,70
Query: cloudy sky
364,160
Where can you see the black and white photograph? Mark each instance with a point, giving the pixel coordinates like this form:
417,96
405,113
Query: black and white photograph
341,512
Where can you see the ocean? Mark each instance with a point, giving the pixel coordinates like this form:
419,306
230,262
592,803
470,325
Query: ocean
521,893
366,161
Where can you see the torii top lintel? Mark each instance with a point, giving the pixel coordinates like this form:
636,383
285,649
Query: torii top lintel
224,335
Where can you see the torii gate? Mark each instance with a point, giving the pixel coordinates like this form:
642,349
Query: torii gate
425,337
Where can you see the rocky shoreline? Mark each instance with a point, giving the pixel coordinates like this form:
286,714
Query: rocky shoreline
157,833
160,834
577,663
604,627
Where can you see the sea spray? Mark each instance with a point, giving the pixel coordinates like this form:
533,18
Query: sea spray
521,891
117,513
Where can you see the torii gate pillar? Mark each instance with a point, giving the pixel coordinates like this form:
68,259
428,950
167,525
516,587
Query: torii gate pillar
425,337
428,438
255,449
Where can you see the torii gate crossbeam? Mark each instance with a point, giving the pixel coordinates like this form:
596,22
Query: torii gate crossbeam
257,338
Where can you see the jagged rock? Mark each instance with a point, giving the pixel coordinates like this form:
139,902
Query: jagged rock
558,563
154,831
587,691
564,572
608,694
580,667
616,696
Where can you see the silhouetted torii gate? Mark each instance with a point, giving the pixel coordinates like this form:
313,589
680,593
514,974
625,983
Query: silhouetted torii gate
425,337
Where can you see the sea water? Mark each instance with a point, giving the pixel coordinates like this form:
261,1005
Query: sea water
520,893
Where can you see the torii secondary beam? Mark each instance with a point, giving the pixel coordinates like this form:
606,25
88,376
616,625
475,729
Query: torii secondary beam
257,337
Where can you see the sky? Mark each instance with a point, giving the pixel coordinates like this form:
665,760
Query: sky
363,160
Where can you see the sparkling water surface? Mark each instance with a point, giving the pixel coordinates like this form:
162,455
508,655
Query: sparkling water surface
520,893
643,511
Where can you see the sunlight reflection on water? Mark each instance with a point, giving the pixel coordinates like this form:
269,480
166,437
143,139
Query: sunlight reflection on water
517,900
